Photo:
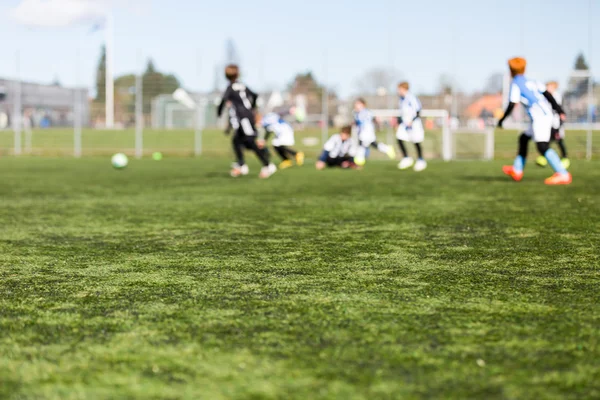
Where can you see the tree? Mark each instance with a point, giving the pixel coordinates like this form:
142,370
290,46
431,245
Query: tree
494,84
446,84
376,79
580,63
101,77
155,83
306,85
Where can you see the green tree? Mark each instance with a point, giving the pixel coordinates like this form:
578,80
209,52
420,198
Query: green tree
156,83
580,63
101,77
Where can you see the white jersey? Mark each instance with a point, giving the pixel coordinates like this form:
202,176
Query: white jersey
531,94
366,128
336,147
410,106
284,133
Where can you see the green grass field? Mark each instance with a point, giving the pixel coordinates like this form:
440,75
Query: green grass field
171,280
59,142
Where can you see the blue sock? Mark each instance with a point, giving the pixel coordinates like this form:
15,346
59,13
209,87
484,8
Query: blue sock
519,164
554,161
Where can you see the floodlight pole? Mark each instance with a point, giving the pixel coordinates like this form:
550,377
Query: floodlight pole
590,110
17,105
139,112
325,102
110,85
78,121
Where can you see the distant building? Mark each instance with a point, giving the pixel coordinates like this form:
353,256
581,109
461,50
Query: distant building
44,105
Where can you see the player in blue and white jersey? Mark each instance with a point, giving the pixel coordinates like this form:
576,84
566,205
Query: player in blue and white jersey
364,121
339,151
410,128
539,104
284,139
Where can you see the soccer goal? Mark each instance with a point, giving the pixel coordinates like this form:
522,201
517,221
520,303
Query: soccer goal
447,142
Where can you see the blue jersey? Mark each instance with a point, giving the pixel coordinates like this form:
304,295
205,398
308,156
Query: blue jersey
531,94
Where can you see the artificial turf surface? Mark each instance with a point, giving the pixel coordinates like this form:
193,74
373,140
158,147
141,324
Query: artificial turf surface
171,280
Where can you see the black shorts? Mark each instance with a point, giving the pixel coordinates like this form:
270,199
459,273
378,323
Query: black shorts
339,161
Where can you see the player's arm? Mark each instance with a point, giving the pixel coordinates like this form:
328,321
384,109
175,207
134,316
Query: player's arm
555,106
514,98
507,112
253,97
224,101
407,114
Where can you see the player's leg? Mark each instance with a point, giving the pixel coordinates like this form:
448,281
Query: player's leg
402,136
542,130
283,153
560,140
362,154
515,171
268,169
421,164
239,167
417,135
385,149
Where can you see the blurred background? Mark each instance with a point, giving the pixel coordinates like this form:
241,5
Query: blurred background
92,77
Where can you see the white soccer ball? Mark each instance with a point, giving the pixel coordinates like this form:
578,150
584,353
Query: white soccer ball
119,161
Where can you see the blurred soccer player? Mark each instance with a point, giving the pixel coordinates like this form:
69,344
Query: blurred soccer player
558,130
284,138
410,128
363,118
539,104
339,151
242,101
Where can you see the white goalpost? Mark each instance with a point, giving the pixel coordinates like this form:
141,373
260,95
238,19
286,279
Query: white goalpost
448,137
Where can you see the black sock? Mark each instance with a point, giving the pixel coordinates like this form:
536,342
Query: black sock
281,151
238,149
524,145
291,152
419,151
563,148
402,148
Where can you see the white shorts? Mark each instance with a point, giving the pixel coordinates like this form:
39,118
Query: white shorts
366,137
541,126
285,137
415,135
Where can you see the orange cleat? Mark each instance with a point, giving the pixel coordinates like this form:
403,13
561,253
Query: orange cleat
510,171
559,179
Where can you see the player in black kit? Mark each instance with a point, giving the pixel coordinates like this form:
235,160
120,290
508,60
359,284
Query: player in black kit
242,102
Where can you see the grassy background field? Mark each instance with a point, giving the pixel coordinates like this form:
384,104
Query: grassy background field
171,280
59,142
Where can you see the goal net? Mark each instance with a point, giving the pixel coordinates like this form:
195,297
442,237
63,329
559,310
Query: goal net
441,141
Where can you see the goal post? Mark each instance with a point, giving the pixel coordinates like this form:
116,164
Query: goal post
441,121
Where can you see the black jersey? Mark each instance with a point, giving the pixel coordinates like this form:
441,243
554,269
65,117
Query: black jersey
242,99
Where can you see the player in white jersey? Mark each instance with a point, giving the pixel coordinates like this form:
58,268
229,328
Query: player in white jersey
363,119
539,104
410,128
284,139
339,151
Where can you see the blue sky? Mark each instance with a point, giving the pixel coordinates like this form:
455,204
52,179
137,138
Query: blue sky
467,38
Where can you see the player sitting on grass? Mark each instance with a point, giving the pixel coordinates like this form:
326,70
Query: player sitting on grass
339,151
558,130
539,104
284,138
410,128
363,118
242,119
